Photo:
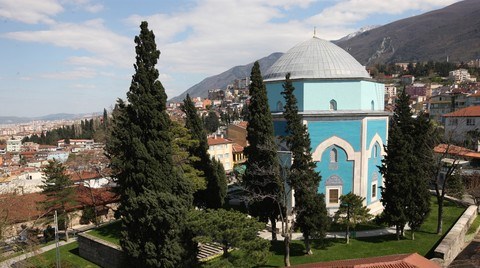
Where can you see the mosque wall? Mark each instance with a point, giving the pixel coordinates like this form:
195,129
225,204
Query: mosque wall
318,94
372,91
276,101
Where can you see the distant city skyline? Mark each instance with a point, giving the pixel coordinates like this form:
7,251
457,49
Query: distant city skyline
77,56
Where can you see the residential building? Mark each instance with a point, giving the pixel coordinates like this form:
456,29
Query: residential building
238,133
222,150
14,145
407,79
461,76
460,122
343,109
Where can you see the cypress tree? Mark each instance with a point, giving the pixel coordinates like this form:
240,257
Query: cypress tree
310,206
154,197
214,195
261,179
406,168
419,206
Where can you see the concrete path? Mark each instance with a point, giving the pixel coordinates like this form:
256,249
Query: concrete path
72,233
266,234
12,261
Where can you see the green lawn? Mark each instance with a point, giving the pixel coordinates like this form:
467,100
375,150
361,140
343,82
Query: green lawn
109,232
335,249
68,255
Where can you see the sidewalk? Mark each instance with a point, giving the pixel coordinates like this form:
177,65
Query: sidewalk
12,261
73,231
266,234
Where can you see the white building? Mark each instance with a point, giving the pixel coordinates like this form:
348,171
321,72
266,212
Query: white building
14,145
460,76
221,149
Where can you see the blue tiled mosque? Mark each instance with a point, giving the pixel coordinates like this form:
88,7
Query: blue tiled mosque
343,109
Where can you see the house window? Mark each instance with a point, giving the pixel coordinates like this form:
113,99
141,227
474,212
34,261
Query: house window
470,121
334,156
374,191
375,151
333,105
453,121
333,195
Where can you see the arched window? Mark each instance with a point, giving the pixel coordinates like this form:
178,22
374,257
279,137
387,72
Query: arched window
334,156
375,151
333,105
372,104
279,106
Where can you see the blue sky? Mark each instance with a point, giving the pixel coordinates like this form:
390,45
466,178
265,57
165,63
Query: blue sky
76,56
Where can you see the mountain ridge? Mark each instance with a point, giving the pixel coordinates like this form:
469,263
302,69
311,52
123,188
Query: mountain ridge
452,31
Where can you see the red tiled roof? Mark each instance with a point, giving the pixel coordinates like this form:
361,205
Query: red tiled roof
243,124
218,140
27,207
237,148
84,175
455,150
409,260
471,111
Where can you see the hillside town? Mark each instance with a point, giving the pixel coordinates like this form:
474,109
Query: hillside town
316,161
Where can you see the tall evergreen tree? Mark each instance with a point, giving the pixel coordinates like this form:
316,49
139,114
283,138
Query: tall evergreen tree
154,197
214,194
58,188
262,176
422,173
303,177
405,168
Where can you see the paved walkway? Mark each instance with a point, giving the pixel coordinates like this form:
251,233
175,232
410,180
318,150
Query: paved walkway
266,234
12,261
76,229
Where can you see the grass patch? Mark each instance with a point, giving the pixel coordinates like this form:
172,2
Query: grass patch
69,257
336,227
425,241
109,232
474,227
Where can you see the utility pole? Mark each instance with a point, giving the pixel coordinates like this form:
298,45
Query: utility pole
57,246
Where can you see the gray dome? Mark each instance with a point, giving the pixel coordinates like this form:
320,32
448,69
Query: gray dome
316,58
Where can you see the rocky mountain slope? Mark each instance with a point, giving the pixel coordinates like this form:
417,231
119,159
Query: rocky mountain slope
453,31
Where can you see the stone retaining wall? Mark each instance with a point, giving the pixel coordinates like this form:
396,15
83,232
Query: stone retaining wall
452,244
100,252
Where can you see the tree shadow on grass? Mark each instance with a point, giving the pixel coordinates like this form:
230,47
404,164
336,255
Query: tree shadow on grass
296,249
379,239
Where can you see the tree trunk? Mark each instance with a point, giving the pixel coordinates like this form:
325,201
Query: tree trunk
66,225
347,234
397,229
307,245
440,216
286,259
225,249
274,228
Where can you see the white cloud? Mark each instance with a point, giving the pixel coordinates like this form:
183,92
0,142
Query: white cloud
77,73
105,45
83,61
30,11
86,5
84,86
